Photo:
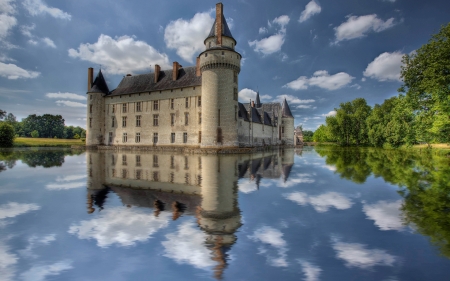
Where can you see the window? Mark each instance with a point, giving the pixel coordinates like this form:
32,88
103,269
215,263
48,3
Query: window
124,121
186,118
110,137
172,162
124,159
235,113
184,137
155,176
199,136
138,137
186,163
187,178
113,122
199,101
113,160
172,138
124,173
113,172
138,174
155,161
138,106
171,177
155,137
235,77
187,102
172,119
90,108
138,160
113,108
209,44
282,130
155,105
235,94
124,108
172,103
90,122
138,121
124,137
155,119
199,117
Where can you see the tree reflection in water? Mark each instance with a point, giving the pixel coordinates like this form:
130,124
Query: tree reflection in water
423,178
34,157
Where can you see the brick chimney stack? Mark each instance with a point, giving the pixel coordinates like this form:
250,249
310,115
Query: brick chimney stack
176,66
157,70
90,77
219,23
253,103
197,69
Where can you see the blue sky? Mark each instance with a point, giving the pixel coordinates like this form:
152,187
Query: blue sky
317,54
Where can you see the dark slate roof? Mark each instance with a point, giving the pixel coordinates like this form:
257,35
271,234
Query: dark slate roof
243,112
286,169
267,119
257,101
187,77
99,85
255,117
226,31
285,110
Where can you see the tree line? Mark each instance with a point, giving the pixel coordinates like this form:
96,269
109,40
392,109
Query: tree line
419,114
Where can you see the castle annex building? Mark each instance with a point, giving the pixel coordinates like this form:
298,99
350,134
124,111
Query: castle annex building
193,106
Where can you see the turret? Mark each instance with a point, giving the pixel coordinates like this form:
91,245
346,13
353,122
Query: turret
95,128
219,65
287,124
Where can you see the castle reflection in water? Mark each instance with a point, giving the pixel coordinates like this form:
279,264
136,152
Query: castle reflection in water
204,186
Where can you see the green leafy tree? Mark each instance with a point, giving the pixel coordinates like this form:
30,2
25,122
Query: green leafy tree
7,135
308,136
35,134
322,134
426,77
2,114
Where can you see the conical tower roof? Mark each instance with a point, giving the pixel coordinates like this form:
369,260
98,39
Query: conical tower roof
220,26
285,110
258,101
99,85
225,29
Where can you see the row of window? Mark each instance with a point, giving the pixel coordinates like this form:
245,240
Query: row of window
156,162
155,176
137,138
155,120
156,105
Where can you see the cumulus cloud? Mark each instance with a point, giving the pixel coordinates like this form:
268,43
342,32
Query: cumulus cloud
321,203
63,186
120,55
246,94
7,22
386,215
357,255
70,103
274,42
12,71
41,272
121,226
357,27
38,7
385,67
263,30
273,238
187,246
311,271
293,99
14,209
66,95
311,9
331,113
187,36
49,42
8,261
321,79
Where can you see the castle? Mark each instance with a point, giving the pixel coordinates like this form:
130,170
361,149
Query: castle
194,106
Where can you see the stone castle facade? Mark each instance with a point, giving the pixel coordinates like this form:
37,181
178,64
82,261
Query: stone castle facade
193,106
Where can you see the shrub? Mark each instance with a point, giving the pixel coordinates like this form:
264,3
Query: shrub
76,136
7,135
35,134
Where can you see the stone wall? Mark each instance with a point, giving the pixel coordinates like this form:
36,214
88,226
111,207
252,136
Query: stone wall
95,116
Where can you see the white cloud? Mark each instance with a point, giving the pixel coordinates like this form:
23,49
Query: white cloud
6,6
274,42
247,186
14,209
187,246
293,99
12,71
26,30
49,42
7,22
311,271
321,203
70,103
71,178
386,66
63,186
41,272
121,226
187,37
304,106
387,215
246,94
120,55
331,113
357,255
37,7
7,263
311,9
274,238
357,27
35,241
66,95
321,79
263,30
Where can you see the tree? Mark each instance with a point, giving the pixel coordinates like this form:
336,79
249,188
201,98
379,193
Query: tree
426,77
322,134
47,125
7,135
308,136
35,134
2,114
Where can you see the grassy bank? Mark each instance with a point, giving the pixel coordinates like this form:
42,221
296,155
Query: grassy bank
43,142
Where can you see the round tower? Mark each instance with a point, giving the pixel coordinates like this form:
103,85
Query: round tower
220,65
287,124
95,121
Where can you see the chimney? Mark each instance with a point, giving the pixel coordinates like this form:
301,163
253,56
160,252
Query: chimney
157,70
90,77
253,103
176,66
219,23
197,69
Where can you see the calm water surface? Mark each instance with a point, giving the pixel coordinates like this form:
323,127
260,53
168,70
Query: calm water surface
311,214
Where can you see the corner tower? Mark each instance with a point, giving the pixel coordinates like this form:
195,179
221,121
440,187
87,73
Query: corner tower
220,65
95,121
287,124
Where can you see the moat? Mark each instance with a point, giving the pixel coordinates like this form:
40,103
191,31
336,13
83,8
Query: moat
290,214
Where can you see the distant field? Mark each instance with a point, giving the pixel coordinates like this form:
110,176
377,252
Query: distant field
439,146
43,142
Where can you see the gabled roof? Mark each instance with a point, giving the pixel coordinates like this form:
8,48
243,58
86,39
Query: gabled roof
99,85
285,110
225,32
187,77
